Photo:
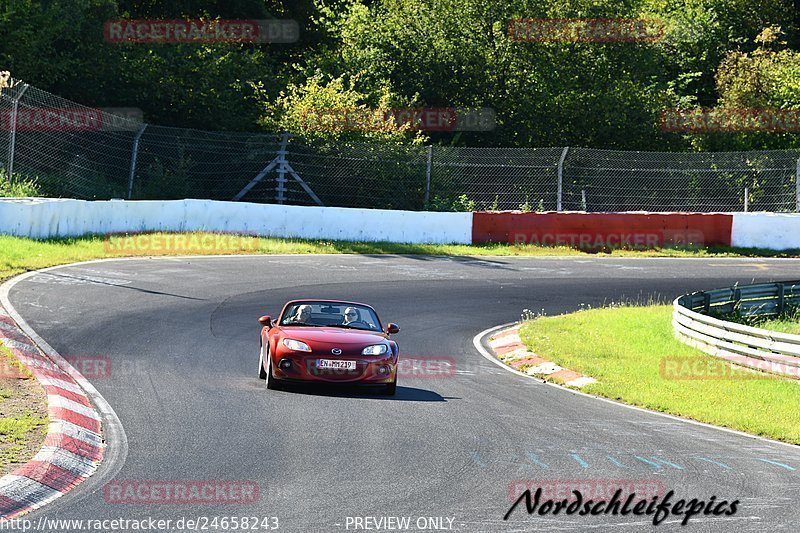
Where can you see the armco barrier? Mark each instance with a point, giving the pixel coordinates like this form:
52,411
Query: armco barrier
593,230
42,218
758,348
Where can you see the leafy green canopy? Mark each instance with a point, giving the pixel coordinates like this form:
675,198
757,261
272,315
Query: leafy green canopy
423,53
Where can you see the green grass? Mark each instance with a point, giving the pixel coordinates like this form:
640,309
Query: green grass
787,322
18,255
623,348
21,429
15,433
782,325
17,187
11,365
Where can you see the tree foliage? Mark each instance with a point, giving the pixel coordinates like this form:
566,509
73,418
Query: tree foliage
382,54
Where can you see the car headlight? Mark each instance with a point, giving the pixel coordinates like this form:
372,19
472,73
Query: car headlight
297,346
375,349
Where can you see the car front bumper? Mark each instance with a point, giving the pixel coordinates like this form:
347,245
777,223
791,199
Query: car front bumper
375,369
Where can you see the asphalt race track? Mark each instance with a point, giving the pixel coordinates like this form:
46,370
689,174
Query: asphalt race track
182,337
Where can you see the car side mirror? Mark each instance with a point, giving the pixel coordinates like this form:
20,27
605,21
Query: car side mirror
265,321
392,328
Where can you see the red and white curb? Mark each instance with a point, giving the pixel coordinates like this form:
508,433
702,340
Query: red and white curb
508,348
74,445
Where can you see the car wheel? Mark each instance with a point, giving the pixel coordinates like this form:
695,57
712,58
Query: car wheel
262,374
272,382
390,388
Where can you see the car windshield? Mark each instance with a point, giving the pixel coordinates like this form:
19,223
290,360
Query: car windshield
340,315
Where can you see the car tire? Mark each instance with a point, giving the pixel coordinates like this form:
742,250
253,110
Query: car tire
390,388
272,382
262,374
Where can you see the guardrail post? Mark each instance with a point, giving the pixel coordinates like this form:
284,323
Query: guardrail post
781,299
428,177
561,178
797,187
281,179
134,157
13,142
706,302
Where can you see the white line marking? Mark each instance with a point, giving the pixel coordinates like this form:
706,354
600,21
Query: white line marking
65,427
38,363
27,491
476,341
22,346
67,460
8,327
116,450
580,382
71,405
61,384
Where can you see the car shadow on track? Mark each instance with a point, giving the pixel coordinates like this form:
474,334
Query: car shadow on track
403,394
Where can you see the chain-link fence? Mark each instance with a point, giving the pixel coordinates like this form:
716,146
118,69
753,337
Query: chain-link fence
75,151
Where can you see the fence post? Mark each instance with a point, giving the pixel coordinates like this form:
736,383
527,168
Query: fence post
561,177
281,179
134,157
797,187
14,132
746,199
428,177
583,199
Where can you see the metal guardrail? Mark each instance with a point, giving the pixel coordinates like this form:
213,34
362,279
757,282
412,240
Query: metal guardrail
766,350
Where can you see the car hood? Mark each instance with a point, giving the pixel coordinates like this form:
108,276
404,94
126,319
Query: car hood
333,335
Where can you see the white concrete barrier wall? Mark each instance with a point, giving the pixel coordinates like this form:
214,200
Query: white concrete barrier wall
774,231
43,217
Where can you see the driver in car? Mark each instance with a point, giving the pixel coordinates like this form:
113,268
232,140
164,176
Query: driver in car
301,315
352,318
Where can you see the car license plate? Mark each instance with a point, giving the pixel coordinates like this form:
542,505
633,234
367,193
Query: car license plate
336,364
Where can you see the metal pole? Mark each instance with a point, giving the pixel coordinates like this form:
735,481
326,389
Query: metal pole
14,132
797,187
746,199
428,177
583,199
281,179
134,157
561,177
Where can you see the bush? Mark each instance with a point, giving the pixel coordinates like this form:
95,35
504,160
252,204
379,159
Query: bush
461,203
17,186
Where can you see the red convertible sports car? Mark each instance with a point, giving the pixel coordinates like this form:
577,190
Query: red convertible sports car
328,341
